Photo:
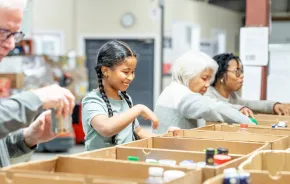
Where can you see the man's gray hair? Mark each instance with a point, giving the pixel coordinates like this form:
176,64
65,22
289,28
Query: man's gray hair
190,65
13,4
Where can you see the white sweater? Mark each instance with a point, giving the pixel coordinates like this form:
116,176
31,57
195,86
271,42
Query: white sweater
178,106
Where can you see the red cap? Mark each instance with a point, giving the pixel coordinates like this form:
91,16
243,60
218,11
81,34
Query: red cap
220,159
244,126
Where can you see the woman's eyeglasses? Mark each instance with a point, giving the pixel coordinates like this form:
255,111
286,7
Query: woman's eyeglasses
5,34
237,71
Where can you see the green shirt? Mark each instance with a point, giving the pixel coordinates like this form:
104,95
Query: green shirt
93,105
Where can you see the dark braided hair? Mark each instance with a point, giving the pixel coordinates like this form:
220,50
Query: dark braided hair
223,63
111,54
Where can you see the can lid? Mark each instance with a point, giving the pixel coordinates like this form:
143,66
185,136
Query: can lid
244,126
132,158
220,159
210,151
222,151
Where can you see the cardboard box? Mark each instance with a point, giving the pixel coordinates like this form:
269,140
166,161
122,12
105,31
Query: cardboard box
199,145
271,117
256,178
271,162
122,153
276,141
97,168
17,79
265,123
251,129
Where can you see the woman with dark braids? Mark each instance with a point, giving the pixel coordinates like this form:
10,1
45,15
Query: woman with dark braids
229,80
182,103
108,115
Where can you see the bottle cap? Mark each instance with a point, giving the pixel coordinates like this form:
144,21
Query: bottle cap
244,126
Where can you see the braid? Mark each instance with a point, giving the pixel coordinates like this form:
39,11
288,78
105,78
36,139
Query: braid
135,135
104,97
109,55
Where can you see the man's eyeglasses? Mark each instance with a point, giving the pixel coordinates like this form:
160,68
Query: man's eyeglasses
5,34
237,71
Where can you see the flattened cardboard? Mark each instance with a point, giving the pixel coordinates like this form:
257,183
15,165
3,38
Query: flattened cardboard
276,141
188,144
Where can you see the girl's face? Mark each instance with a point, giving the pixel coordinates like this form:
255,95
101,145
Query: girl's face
200,83
120,76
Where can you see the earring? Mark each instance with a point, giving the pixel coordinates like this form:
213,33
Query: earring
222,80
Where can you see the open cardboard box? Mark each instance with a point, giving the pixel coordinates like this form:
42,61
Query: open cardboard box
97,168
256,178
199,145
251,129
10,177
277,142
122,153
272,162
271,117
261,122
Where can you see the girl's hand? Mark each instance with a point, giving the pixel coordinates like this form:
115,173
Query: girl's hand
147,114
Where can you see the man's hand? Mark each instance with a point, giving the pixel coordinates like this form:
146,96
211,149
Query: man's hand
54,96
40,130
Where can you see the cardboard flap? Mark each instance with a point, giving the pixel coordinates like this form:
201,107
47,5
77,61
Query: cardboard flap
45,165
272,161
100,153
235,147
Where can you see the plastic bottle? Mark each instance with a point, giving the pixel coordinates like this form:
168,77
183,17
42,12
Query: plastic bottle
244,128
170,175
244,178
231,176
282,124
155,175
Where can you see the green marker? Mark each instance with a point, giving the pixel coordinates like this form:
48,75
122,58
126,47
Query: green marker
132,158
254,120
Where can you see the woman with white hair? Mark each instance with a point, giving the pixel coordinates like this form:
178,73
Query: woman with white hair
182,102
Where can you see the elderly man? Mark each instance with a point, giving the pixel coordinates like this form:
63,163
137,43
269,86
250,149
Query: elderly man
18,111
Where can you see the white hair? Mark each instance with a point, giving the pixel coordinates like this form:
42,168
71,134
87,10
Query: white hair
13,4
190,65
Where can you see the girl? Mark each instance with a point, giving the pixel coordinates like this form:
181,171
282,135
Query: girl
109,117
229,80
182,102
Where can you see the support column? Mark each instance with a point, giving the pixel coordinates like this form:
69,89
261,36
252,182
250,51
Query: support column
258,15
